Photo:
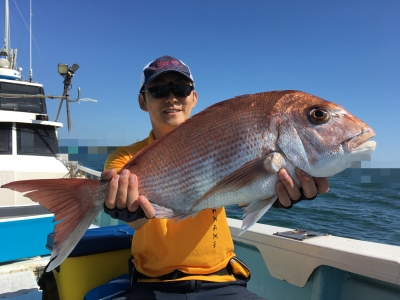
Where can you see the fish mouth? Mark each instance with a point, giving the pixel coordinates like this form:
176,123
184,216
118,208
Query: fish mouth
360,142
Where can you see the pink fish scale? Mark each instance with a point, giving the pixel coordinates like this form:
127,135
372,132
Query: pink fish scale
193,168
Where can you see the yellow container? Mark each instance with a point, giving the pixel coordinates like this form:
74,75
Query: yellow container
78,275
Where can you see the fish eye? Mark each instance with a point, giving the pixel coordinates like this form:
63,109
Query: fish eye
319,116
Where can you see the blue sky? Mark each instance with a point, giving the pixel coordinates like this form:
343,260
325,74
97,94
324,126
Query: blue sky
347,52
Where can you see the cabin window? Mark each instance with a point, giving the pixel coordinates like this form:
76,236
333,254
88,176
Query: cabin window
32,105
5,138
34,139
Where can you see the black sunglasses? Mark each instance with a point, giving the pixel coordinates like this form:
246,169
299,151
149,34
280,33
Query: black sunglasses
162,91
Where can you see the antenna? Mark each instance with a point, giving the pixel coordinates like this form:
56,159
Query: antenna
6,26
30,42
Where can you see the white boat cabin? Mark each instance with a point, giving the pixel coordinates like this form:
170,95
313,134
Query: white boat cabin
28,144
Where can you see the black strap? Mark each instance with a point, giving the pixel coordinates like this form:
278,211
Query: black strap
48,285
277,204
125,214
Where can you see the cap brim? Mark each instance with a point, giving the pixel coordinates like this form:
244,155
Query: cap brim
154,76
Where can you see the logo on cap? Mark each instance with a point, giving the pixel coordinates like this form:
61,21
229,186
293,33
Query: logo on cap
164,64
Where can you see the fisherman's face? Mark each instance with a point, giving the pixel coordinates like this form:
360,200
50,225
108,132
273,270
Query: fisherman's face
169,112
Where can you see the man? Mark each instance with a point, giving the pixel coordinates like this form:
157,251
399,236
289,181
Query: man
173,259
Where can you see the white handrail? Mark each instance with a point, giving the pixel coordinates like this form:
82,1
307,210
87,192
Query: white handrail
87,173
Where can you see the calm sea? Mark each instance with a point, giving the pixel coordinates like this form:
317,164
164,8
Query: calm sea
361,204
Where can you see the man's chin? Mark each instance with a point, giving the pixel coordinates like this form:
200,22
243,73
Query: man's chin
172,124
174,120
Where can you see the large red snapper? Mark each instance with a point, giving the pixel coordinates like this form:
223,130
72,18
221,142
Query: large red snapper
229,153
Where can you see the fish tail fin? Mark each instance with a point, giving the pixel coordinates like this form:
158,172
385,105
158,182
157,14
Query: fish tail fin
74,202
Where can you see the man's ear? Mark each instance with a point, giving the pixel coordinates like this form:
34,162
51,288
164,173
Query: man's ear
195,96
142,102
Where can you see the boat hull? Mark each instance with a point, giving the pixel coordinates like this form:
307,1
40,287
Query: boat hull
24,237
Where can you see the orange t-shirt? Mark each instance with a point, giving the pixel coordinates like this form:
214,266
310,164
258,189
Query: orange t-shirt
199,245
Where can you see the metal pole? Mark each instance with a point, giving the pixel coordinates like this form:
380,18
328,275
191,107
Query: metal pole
59,109
68,112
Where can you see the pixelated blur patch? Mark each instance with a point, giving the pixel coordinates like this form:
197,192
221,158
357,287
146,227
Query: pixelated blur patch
365,179
89,156
73,150
376,177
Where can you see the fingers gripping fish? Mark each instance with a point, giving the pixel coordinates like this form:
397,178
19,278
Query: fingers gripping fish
229,153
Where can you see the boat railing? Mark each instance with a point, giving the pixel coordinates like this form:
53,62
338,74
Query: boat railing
75,170
84,172
78,171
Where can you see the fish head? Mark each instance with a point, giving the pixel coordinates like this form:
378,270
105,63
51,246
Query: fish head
320,137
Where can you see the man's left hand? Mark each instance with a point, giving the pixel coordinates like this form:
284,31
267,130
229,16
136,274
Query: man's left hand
287,190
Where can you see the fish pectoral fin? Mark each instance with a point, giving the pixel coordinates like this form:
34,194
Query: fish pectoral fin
162,212
254,211
245,175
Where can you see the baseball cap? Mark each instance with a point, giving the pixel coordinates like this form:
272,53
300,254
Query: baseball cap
161,65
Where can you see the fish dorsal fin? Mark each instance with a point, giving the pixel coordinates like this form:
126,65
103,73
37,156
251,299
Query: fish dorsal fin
245,175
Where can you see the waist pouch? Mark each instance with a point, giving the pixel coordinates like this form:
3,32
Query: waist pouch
235,267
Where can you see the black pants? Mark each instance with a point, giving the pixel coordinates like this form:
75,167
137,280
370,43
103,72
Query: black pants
190,289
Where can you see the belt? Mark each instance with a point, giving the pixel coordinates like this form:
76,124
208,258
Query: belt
176,274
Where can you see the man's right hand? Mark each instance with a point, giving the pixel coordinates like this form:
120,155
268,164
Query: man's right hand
123,193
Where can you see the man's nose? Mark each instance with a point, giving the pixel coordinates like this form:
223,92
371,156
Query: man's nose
171,97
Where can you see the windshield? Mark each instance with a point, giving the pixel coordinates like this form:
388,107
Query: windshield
5,138
33,105
34,139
